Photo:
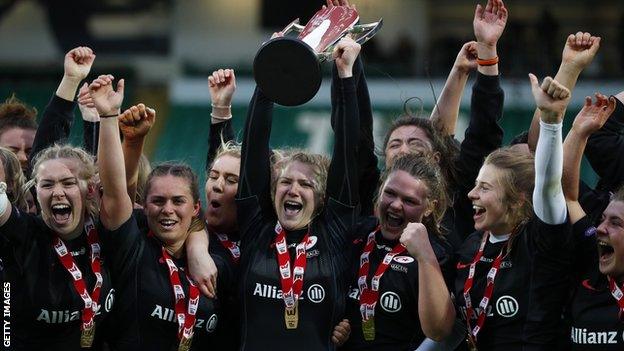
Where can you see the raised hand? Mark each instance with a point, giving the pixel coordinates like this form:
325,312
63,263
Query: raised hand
551,98
78,62
222,85
489,22
107,101
415,238
593,116
466,60
345,53
136,122
86,105
579,51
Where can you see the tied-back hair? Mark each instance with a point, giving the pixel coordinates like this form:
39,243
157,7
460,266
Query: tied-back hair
145,168
179,170
517,180
15,114
14,178
446,147
425,169
86,172
229,148
320,167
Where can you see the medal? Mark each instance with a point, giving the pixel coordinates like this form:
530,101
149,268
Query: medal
86,336
368,329
185,344
291,316
472,345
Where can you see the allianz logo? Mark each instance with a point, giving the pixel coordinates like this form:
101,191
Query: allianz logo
582,336
315,292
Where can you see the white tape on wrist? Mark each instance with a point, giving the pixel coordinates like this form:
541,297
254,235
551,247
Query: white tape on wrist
4,200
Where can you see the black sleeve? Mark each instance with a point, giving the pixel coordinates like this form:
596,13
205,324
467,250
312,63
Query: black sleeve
255,171
90,135
368,173
482,136
123,248
218,131
605,151
19,235
54,126
342,181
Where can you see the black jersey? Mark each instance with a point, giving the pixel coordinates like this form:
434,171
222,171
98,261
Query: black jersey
519,287
145,315
228,328
322,302
594,312
397,325
45,309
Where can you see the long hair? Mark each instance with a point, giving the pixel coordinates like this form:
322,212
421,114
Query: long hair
426,170
14,177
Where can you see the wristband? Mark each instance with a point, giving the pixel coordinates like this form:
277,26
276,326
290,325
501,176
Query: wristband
220,106
4,200
220,118
109,116
487,62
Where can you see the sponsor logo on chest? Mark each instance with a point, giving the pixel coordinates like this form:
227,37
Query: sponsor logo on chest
66,316
168,314
505,306
585,337
315,292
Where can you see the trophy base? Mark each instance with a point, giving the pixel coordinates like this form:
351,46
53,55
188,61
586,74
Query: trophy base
287,71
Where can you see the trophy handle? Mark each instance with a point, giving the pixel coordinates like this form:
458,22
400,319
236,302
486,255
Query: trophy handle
293,26
361,33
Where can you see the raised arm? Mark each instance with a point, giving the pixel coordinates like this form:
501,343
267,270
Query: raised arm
605,149
589,120
489,24
58,115
446,111
90,120
435,308
551,99
135,123
116,207
342,181
578,53
222,85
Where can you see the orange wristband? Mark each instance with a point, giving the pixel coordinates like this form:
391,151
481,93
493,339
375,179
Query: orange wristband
487,62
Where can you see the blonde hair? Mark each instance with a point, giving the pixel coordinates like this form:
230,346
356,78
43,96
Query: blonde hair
145,168
320,166
14,178
517,180
229,148
85,174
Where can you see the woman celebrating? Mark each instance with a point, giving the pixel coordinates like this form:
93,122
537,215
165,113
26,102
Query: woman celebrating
160,307
596,305
495,271
398,296
293,233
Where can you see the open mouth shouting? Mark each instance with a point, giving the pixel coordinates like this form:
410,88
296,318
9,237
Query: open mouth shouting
605,251
394,221
61,213
479,212
292,208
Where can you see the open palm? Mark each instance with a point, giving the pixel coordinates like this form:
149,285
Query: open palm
489,22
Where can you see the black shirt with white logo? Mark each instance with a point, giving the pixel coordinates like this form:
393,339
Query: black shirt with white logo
45,309
144,316
522,290
397,325
594,312
322,302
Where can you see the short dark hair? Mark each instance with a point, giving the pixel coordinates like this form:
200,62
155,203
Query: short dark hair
16,114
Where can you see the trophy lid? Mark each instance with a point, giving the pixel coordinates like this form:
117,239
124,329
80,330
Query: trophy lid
287,71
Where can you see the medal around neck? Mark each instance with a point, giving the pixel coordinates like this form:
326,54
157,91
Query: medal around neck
287,69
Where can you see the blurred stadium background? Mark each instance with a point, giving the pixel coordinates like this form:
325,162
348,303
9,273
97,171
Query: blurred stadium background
165,49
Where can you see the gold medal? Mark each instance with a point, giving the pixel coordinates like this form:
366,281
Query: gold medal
86,336
291,316
185,344
472,343
368,329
